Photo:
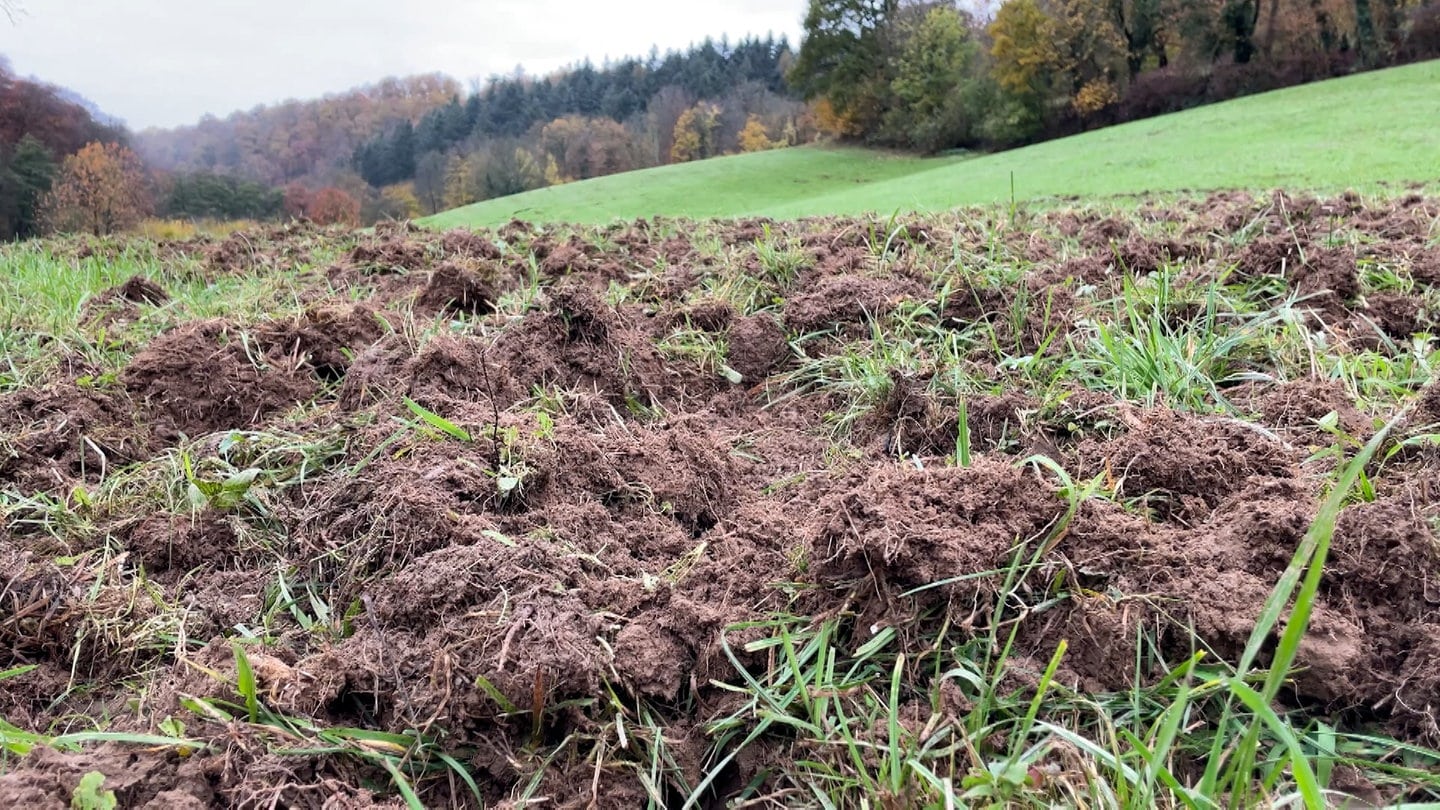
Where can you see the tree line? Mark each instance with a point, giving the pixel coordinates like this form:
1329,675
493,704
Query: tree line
400,147
406,147
935,76
520,133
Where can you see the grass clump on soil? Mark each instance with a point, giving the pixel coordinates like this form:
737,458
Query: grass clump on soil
1088,507
1321,136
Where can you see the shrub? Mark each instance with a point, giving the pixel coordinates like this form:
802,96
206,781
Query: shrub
1161,91
1422,40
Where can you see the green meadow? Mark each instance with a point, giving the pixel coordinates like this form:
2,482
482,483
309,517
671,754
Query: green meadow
1355,132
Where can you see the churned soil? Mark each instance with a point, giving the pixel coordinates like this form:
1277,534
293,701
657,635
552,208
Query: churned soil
616,506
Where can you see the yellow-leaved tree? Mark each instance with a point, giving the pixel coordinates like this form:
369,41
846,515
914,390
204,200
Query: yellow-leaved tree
1025,49
754,137
695,133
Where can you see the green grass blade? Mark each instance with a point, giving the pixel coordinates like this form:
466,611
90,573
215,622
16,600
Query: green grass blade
245,683
496,695
962,435
74,741
412,800
437,421
15,672
895,751
461,771
1300,770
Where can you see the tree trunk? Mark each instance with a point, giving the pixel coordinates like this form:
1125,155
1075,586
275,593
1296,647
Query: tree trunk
1269,26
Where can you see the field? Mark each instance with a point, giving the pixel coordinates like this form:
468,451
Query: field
1329,136
1099,507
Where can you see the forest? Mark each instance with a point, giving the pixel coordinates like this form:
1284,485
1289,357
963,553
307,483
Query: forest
931,76
921,76
512,134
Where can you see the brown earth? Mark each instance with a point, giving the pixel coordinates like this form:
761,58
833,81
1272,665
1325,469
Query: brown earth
648,503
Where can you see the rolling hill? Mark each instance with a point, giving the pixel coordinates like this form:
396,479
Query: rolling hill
1354,132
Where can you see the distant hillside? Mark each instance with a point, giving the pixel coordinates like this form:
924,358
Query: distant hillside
412,146
647,96
40,124
310,140
1350,132
59,117
522,133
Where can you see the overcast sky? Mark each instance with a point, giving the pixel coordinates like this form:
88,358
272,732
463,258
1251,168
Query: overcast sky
167,62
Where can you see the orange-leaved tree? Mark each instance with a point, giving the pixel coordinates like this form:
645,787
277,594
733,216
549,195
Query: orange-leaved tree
832,123
101,189
332,206
754,137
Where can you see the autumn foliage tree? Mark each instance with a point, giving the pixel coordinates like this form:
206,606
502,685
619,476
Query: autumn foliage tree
49,114
101,189
844,58
295,200
1093,53
332,206
928,75
695,133
295,140
755,138
458,190
397,201
40,124
582,148
1025,53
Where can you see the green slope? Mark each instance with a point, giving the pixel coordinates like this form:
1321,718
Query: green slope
1351,132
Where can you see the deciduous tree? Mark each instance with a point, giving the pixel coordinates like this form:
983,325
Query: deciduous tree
664,110
50,114
430,181
754,137
302,140
931,69
1025,52
510,168
844,58
457,183
1092,55
295,200
399,201
101,189
553,175
587,147
695,134
332,206
1144,27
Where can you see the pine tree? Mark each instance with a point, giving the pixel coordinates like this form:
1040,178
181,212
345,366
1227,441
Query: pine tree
25,179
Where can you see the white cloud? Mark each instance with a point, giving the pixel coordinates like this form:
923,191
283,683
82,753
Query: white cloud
167,62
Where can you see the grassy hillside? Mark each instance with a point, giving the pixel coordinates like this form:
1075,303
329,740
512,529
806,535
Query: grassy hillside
1350,132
